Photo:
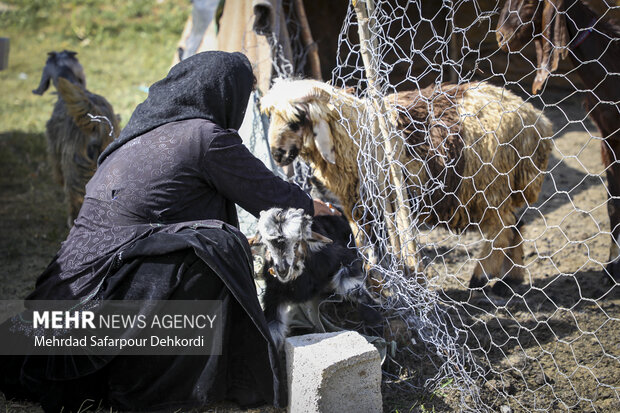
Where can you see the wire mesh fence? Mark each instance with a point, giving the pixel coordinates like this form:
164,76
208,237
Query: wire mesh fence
486,215
483,202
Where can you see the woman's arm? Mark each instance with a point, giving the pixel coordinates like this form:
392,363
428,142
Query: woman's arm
324,208
242,178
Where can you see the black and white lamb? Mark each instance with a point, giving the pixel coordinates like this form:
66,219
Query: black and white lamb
303,264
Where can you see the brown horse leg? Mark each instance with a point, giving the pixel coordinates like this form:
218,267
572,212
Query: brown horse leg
606,116
610,150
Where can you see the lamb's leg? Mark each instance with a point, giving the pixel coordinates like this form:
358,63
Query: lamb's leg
311,311
278,327
277,317
498,237
349,282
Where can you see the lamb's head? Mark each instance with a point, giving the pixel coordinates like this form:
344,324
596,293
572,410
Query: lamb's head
298,111
61,64
289,239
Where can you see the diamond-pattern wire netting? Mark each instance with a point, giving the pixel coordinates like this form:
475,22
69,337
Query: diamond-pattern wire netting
549,343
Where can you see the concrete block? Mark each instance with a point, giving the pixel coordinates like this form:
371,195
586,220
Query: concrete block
333,372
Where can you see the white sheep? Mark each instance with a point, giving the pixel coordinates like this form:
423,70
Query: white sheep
485,145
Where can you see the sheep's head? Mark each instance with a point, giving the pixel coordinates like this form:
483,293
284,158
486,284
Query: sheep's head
61,64
288,236
298,112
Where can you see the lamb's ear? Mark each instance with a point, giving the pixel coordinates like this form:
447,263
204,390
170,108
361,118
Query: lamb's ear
551,47
262,216
324,141
318,241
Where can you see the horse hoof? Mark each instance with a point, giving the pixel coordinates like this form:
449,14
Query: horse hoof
477,282
502,289
613,269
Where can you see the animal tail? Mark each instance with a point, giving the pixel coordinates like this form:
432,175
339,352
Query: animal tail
79,105
82,108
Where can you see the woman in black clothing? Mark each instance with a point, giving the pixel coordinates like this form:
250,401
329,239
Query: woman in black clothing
159,223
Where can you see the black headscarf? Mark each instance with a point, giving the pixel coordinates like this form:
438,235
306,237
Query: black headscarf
211,85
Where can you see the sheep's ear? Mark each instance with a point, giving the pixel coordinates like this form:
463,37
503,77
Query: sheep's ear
324,141
318,241
551,47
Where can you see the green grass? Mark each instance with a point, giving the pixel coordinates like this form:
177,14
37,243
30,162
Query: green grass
123,46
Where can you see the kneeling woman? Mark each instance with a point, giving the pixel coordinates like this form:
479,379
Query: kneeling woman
159,223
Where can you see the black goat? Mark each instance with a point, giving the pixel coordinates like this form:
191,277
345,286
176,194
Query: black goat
303,264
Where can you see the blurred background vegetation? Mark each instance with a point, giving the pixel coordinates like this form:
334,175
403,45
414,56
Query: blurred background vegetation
124,46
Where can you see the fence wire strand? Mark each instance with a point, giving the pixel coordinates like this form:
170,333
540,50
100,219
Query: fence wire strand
551,343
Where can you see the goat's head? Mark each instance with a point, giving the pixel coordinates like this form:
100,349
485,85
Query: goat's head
289,239
61,64
299,111
544,21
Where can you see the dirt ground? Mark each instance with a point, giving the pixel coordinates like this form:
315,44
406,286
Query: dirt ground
554,346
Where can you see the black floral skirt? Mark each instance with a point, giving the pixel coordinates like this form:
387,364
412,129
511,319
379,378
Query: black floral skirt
246,372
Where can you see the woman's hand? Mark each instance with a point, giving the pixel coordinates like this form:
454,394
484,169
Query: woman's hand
322,208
